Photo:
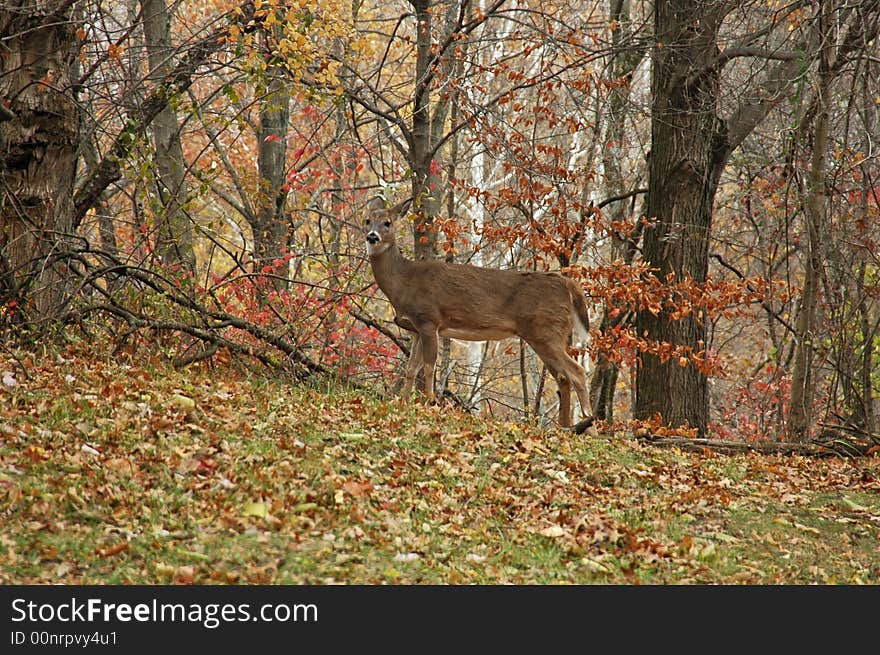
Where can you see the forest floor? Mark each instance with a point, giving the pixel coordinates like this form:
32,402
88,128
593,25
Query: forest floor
125,472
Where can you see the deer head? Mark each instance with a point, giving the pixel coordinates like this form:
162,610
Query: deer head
379,226
436,299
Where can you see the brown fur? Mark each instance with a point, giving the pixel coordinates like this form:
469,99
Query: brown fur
434,298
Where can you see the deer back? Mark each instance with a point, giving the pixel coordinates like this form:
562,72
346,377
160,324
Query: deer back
463,296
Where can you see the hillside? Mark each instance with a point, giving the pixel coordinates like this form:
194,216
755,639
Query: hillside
134,472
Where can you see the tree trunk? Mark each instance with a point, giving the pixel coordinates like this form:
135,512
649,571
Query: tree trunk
861,394
428,123
802,381
271,230
688,153
863,411
427,197
174,232
38,151
690,147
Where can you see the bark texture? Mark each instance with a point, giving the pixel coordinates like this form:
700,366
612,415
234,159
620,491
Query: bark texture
38,151
174,230
688,153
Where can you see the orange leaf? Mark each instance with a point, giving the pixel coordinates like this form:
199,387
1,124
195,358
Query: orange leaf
357,489
112,550
185,575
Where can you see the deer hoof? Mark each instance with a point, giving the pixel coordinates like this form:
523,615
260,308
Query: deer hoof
583,425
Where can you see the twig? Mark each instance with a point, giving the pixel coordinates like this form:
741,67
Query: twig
764,303
17,360
370,322
206,353
621,196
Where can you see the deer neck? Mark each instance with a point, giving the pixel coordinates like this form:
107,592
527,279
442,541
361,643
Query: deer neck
388,269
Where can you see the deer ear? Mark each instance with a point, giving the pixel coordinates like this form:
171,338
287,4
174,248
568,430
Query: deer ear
376,204
400,207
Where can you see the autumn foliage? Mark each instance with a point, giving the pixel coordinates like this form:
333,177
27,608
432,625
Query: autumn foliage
523,135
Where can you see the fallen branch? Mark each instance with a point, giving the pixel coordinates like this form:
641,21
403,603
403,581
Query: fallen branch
834,448
213,320
205,353
213,340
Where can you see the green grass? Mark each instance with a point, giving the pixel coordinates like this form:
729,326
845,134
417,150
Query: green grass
127,473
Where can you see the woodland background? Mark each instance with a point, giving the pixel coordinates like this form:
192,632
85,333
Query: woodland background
197,371
187,178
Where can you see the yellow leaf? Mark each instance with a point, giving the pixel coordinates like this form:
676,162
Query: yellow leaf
304,507
255,509
180,401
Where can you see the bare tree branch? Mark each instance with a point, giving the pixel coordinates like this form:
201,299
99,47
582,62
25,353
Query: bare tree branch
178,81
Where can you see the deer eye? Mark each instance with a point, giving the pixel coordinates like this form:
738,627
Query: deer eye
367,222
387,223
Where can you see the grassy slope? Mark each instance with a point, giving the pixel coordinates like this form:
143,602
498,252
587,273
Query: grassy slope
115,473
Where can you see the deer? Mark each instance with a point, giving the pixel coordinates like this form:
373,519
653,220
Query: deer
434,298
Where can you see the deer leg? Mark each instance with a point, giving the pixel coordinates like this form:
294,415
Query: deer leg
412,365
578,378
428,338
564,390
566,372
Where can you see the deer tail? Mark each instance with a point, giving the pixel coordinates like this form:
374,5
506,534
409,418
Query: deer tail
579,305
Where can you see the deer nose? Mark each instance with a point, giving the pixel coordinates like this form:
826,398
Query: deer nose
372,237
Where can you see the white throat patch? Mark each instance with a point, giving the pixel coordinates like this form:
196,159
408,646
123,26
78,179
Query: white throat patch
377,248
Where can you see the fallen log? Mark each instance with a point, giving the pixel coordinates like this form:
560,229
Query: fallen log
831,448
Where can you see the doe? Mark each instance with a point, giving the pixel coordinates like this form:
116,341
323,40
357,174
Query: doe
435,299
